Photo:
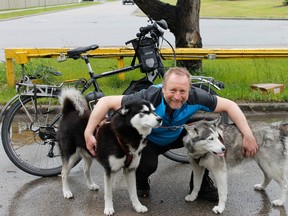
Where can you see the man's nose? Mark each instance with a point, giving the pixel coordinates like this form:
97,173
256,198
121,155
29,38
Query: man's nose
177,95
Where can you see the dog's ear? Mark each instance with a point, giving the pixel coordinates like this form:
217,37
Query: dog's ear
192,130
123,110
220,131
216,121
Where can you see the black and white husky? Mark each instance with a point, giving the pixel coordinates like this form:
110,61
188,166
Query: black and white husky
206,149
119,143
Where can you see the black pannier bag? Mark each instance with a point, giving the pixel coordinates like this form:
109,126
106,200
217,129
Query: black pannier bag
146,54
137,85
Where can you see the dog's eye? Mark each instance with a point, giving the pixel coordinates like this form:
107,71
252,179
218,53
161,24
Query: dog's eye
145,112
211,138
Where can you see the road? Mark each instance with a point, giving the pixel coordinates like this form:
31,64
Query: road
112,24
25,195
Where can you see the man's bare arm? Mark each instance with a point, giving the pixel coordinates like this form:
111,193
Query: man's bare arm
250,145
98,114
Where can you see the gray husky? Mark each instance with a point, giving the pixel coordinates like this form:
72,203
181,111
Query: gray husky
211,145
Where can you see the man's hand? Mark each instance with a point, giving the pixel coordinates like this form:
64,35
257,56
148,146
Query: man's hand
250,146
91,143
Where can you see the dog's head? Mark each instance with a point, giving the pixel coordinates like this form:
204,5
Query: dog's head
141,115
203,137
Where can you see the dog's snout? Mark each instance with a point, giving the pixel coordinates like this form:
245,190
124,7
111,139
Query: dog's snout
223,149
159,119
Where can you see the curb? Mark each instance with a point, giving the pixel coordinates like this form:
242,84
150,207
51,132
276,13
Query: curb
264,107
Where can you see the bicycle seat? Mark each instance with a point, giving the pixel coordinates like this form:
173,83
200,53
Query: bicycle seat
75,53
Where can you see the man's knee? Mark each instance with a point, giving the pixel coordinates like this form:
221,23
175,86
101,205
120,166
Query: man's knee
147,167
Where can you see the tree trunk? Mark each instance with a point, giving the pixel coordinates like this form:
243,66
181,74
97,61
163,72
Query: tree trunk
183,22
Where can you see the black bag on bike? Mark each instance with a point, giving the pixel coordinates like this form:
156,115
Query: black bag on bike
146,54
137,85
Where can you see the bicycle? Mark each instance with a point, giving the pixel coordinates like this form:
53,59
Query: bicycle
30,118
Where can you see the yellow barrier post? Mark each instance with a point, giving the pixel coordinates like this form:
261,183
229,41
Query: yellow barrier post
10,72
121,65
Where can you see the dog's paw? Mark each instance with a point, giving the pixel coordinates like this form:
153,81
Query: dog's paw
109,211
278,202
217,210
259,187
93,187
68,194
190,198
141,208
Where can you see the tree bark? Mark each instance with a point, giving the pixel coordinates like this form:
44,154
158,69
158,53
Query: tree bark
183,22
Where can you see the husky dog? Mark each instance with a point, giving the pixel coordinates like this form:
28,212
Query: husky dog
119,143
210,145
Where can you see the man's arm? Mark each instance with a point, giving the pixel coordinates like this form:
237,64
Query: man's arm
250,145
98,114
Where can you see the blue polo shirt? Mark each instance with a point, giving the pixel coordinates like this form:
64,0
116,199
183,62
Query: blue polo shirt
171,127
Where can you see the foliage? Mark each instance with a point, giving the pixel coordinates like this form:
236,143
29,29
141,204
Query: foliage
243,8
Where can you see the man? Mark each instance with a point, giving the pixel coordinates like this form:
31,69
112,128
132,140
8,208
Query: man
175,101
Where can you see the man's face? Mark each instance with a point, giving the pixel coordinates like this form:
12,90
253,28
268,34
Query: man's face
176,90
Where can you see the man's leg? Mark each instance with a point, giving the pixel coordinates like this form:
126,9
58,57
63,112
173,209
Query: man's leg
207,191
148,165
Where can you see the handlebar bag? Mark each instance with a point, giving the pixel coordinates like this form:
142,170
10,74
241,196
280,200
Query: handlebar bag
147,55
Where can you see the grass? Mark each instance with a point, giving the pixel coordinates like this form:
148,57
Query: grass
209,8
33,11
237,75
242,8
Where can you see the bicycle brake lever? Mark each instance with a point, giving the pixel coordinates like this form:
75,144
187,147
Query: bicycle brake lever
220,84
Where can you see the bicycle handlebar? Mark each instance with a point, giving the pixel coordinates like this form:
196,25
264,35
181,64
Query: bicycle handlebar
149,28
146,29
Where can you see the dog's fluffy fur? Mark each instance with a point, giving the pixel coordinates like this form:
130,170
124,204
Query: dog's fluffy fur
206,150
121,138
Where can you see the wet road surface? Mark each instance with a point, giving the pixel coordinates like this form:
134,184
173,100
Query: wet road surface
23,194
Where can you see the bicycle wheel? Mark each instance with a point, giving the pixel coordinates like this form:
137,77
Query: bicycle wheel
28,138
180,154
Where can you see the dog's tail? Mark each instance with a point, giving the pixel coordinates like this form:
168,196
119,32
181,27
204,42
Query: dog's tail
72,100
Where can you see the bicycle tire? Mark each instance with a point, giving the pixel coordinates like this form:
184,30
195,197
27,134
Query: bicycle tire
180,154
22,142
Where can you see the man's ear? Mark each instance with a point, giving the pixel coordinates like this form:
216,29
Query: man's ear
163,89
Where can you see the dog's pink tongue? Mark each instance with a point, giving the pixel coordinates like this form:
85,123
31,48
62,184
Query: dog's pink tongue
220,154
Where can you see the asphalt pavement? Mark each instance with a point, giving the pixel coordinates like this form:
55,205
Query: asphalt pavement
23,194
112,24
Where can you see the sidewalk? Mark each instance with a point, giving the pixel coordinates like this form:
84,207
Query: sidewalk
264,107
